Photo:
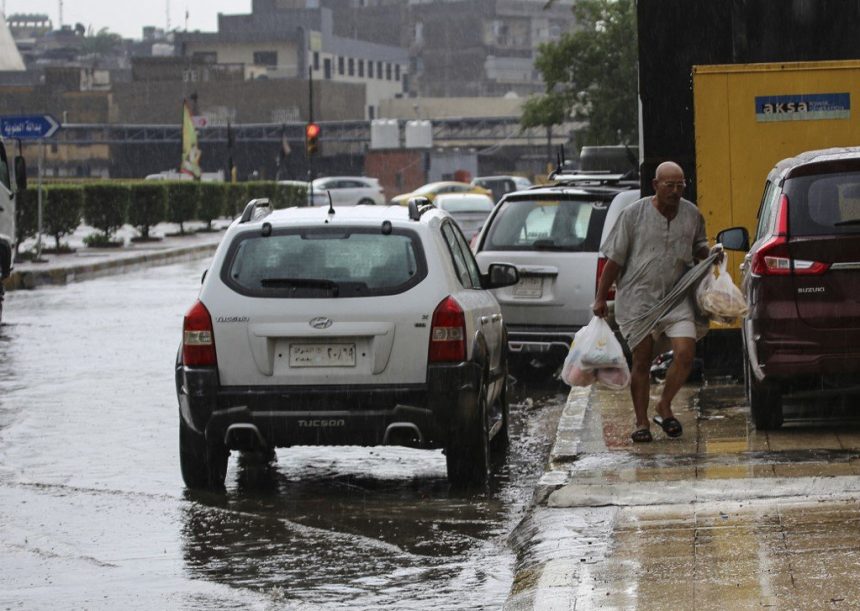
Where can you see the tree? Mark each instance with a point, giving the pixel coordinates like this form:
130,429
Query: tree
591,74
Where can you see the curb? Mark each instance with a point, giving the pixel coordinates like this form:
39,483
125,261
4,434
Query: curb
122,262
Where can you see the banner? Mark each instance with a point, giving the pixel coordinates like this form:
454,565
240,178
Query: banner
190,150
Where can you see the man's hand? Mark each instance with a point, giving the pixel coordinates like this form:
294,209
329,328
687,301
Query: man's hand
599,308
717,249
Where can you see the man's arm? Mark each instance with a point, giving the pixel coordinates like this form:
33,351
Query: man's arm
607,279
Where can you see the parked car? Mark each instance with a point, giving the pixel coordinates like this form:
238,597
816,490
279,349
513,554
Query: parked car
552,234
432,189
469,210
346,191
501,185
801,279
365,326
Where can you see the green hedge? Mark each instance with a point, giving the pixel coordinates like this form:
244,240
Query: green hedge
26,216
235,198
212,202
106,206
183,199
62,208
148,206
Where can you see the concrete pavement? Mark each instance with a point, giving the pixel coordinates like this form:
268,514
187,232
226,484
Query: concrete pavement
723,518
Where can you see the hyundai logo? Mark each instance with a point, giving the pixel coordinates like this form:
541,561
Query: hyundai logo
320,322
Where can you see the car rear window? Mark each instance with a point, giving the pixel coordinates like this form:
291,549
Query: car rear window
569,225
822,204
324,262
467,204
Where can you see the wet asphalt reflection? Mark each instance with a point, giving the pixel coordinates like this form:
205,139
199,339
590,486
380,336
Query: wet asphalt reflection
94,513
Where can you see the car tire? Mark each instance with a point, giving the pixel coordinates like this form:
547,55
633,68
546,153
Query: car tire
203,466
467,455
765,402
367,202
499,444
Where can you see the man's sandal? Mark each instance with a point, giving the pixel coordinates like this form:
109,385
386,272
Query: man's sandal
670,426
641,436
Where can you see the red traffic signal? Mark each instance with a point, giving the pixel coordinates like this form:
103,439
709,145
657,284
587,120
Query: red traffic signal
312,134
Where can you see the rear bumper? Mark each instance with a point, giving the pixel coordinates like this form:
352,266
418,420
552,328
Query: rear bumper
535,339
417,415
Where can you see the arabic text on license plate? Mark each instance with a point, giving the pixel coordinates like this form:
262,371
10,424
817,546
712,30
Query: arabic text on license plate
529,286
322,355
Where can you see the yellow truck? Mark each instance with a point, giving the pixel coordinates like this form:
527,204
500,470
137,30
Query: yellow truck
748,117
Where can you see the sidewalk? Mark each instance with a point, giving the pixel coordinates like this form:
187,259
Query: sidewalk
86,262
724,517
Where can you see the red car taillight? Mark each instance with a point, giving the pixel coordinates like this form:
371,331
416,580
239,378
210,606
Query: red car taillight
601,263
448,332
772,258
198,341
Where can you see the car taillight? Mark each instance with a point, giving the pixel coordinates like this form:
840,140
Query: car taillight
448,332
772,258
198,341
601,263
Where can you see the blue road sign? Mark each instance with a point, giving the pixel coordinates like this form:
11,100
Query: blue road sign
31,127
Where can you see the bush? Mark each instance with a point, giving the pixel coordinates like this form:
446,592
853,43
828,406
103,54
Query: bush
291,195
106,206
26,216
212,202
259,189
183,197
148,206
236,196
61,211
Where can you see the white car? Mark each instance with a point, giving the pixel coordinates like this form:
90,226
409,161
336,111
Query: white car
552,235
470,210
346,191
359,326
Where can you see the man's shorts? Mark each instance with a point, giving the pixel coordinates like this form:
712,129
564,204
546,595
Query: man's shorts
680,328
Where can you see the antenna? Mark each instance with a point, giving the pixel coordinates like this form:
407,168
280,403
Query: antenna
330,204
61,15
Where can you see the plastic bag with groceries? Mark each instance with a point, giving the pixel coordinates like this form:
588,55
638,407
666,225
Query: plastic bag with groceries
596,355
718,298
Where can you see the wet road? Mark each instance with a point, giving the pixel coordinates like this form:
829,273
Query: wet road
93,512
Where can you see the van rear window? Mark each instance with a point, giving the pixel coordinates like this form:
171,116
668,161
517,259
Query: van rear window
319,262
547,224
822,204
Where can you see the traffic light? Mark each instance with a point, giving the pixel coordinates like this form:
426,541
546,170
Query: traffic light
312,134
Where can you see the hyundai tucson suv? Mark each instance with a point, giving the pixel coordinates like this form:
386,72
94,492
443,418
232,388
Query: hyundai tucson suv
365,325
552,234
801,279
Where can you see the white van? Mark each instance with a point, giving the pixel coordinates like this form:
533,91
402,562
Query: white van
12,177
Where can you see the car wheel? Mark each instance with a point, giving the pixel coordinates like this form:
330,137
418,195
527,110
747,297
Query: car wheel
367,202
203,467
468,452
499,444
765,403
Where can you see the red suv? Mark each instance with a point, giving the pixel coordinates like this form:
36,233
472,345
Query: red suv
801,279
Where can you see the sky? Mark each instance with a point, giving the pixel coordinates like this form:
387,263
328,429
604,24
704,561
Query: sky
127,17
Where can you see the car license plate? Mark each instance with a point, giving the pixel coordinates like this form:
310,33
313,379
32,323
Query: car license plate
529,286
322,355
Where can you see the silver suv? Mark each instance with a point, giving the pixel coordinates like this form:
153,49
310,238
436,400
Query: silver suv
363,326
552,235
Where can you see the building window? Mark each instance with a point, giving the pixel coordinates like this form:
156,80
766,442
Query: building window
379,70
327,68
387,72
205,57
265,58
396,72
371,112
361,67
369,69
340,65
351,66
316,60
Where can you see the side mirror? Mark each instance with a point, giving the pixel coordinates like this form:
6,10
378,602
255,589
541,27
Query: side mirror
499,275
735,238
20,172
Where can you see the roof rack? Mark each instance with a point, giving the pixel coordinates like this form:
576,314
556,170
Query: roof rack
256,209
418,206
592,178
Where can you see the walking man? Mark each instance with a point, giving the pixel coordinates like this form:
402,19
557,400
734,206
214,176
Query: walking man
653,243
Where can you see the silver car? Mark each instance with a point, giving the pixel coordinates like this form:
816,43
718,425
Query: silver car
346,191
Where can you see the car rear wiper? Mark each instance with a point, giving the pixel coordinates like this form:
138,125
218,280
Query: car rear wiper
545,245
848,222
300,283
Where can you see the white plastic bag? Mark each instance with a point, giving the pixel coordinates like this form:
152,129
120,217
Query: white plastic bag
595,355
718,297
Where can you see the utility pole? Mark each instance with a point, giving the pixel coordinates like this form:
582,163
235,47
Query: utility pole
61,14
310,121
